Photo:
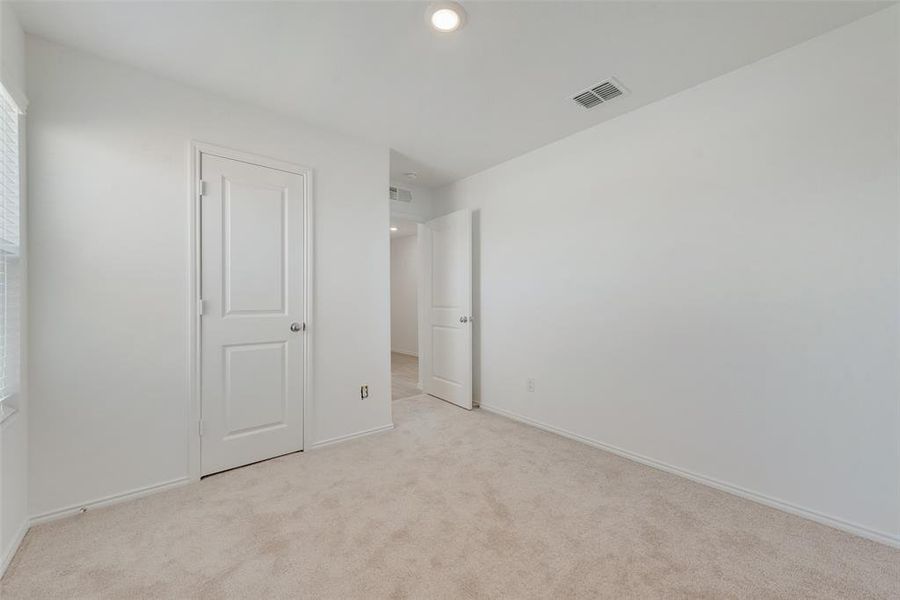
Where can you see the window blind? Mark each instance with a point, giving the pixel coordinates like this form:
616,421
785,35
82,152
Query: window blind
10,250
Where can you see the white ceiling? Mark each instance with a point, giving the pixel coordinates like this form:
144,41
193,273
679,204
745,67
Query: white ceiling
448,105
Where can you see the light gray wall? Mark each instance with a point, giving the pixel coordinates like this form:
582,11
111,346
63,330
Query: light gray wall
109,181
711,282
404,305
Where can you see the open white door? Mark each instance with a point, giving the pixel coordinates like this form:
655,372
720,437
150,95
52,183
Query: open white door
445,252
252,281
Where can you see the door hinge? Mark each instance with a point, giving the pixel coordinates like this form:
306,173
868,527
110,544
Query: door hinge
201,188
201,306
200,427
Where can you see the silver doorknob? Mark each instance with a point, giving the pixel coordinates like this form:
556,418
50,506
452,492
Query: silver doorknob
295,327
464,319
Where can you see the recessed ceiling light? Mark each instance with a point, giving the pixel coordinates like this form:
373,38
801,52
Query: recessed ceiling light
446,16
393,229
411,175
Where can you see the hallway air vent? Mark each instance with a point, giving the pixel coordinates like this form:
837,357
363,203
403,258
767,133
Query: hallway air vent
400,195
600,93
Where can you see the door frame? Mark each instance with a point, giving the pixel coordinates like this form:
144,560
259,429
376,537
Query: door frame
194,411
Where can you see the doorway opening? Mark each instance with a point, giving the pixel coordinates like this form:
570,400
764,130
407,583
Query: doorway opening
431,308
405,381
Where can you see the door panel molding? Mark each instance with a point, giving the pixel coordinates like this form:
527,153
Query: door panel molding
196,149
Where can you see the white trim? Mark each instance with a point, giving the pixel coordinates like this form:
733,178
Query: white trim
309,303
250,158
405,353
812,515
193,412
351,436
10,552
74,509
194,376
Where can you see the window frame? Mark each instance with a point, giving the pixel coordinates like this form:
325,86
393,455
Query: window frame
9,397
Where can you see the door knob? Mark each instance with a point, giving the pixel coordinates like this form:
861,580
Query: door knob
295,327
464,319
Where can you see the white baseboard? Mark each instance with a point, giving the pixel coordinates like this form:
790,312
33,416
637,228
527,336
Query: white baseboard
405,352
166,485
10,552
850,527
109,500
351,436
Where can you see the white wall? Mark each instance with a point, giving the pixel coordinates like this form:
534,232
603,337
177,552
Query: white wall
404,305
12,52
14,430
109,177
711,281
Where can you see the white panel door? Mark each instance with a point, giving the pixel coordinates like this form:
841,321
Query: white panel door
445,246
252,273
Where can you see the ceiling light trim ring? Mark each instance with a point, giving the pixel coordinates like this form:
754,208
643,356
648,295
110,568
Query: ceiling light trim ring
439,18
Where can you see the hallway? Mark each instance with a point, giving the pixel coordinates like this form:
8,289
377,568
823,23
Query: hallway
404,376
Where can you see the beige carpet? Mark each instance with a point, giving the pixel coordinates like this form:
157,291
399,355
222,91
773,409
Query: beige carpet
404,376
451,504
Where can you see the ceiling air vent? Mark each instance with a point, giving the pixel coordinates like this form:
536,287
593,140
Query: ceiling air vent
400,195
600,93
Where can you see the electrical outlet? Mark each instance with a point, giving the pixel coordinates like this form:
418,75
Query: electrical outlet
530,384
363,392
